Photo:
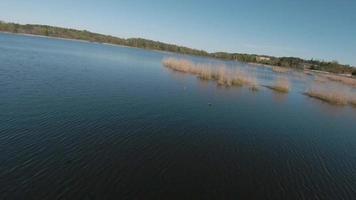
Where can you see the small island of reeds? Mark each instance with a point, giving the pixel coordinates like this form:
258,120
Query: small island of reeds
326,88
221,74
281,85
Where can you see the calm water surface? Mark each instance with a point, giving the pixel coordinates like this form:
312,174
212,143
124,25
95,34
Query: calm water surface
89,121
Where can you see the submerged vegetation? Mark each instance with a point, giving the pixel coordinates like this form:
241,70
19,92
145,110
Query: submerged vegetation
284,62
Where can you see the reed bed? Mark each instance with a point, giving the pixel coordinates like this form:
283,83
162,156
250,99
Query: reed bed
224,76
330,94
281,85
280,69
322,88
184,66
342,79
207,74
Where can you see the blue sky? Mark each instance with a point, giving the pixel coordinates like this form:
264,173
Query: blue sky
321,29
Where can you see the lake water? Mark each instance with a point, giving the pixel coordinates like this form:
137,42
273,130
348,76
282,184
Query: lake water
89,121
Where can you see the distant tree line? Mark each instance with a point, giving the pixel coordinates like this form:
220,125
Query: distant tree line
94,37
290,62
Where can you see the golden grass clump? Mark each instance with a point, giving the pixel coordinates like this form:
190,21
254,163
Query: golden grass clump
223,75
280,69
239,78
323,88
206,73
282,85
342,79
180,65
332,95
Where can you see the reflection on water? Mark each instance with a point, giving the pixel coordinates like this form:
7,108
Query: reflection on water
90,121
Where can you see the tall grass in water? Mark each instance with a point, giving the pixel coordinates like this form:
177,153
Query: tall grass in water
342,79
207,73
322,88
281,85
332,94
180,65
280,69
241,78
224,76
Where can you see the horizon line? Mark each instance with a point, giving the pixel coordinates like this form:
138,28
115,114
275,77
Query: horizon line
172,43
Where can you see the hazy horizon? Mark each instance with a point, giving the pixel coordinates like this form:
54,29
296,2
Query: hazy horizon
320,30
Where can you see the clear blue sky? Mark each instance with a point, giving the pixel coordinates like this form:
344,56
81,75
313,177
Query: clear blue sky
322,29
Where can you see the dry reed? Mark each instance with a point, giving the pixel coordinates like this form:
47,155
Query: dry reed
282,85
327,93
206,74
321,89
280,69
181,65
225,77
342,79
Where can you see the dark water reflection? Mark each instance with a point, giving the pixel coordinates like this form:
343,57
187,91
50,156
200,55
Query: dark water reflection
89,121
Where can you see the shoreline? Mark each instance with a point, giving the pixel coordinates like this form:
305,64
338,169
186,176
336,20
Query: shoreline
314,72
47,31
87,41
75,40
44,36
